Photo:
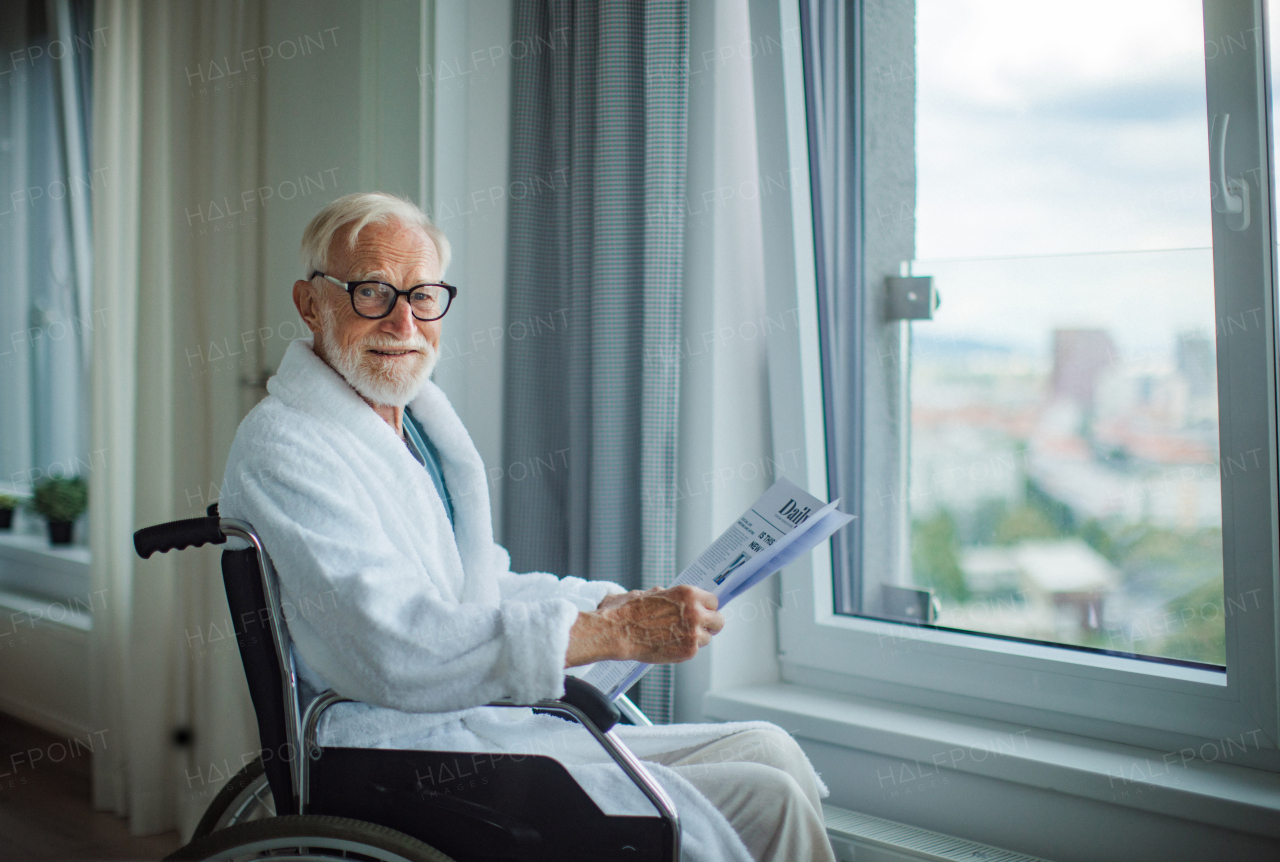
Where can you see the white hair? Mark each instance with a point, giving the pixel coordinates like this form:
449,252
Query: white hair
359,210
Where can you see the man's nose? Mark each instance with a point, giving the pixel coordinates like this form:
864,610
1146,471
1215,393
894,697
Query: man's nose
400,321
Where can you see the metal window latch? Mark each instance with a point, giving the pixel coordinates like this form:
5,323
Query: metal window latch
910,297
907,604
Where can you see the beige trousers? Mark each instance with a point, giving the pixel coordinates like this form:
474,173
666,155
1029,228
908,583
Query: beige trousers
761,782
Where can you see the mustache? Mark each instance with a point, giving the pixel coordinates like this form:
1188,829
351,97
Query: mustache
386,342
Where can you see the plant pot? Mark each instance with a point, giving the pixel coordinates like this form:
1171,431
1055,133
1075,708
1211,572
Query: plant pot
6,519
60,532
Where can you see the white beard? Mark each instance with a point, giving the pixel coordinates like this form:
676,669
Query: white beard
393,382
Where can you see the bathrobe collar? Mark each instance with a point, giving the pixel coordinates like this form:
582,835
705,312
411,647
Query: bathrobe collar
308,384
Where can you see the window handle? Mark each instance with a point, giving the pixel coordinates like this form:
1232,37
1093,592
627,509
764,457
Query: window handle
1231,196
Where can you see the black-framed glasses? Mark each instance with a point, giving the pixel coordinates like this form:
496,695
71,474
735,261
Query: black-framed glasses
376,299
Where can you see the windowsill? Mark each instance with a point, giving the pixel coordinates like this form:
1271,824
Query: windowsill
1219,794
1015,652
20,610
24,543
31,566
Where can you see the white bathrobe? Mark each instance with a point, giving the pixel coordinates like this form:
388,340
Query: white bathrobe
418,620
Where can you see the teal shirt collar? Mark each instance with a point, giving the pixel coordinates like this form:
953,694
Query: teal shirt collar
425,451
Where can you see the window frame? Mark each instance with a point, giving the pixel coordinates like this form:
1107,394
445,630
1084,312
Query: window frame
1110,697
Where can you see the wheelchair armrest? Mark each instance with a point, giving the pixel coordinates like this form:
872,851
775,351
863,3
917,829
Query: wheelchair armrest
603,713
587,705
583,696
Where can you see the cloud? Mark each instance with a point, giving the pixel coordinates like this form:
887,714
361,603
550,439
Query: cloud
1061,130
1044,128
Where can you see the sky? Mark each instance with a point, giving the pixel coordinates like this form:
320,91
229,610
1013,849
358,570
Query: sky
1073,132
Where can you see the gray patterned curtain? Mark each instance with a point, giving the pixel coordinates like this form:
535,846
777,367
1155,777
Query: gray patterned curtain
599,107
831,41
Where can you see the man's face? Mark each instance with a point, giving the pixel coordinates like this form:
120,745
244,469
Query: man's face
386,360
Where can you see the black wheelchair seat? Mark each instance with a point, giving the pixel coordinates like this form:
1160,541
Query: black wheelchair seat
479,806
464,806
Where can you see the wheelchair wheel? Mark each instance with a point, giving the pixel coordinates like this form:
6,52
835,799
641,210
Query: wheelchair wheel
246,797
302,837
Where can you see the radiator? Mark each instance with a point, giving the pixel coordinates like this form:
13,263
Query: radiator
863,838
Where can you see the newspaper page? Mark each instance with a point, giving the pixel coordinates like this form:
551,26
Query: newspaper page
783,524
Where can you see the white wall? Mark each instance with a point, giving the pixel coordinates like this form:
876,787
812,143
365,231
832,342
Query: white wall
375,110
336,120
470,80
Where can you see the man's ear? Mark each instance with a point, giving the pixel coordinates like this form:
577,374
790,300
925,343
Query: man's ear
304,299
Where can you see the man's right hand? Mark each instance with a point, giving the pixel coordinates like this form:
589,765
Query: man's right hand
658,626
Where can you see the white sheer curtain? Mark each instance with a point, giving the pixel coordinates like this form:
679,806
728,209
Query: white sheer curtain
726,457
166,146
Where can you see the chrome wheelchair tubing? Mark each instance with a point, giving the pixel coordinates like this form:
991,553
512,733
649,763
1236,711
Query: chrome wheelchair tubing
631,711
625,759
310,749
284,656
253,797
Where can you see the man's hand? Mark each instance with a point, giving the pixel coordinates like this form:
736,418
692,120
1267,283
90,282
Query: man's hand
619,599
657,626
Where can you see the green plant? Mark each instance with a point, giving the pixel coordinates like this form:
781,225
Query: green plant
61,499
1195,625
935,557
1024,522
8,501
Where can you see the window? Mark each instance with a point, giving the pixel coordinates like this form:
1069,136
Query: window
1063,467
46,185
1076,455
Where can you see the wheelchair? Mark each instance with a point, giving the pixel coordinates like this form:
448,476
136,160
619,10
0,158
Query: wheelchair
305,801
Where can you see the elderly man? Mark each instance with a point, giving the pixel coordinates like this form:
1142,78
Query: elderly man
367,488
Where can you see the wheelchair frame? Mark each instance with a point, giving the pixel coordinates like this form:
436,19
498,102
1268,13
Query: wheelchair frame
582,703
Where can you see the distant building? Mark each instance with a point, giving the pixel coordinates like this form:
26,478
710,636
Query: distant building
1080,356
1183,495
1194,355
1065,574
990,570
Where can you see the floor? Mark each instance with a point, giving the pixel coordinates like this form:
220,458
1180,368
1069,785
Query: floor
45,812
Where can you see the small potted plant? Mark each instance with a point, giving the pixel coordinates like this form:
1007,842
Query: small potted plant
61,501
8,503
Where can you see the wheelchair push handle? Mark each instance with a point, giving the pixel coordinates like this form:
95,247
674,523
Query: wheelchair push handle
176,535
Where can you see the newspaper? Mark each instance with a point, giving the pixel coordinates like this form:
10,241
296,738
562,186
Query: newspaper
783,524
